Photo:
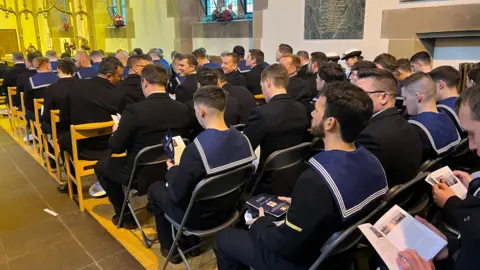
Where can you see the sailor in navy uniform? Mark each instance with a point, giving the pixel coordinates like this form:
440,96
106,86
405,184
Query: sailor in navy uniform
23,78
53,59
341,185
96,58
203,61
446,79
216,150
84,66
37,84
333,57
436,129
53,66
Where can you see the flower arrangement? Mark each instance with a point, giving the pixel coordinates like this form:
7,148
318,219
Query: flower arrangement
222,13
118,21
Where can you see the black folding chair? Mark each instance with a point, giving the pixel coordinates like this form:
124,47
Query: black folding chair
317,145
148,156
211,188
282,160
344,240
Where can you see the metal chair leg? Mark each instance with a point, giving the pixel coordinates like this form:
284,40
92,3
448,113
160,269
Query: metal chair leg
146,241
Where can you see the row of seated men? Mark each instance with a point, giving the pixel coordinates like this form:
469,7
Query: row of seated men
393,141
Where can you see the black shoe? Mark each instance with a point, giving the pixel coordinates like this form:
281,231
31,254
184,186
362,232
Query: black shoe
64,188
148,208
128,222
175,259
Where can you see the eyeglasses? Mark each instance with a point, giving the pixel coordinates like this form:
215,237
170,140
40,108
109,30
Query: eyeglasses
376,92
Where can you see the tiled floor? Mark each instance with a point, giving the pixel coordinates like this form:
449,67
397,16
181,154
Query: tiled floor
30,238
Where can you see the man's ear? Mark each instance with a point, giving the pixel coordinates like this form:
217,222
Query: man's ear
203,112
419,97
329,123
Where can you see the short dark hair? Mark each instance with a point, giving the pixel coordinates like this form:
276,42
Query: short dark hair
109,65
427,84
18,56
403,64
447,74
387,61
278,74
96,53
200,54
51,53
423,57
318,58
285,49
211,96
33,55
384,80
331,72
192,60
257,55
174,54
471,98
155,74
221,75
474,75
138,51
239,50
363,64
66,65
132,60
303,54
295,61
207,76
234,56
66,55
350,106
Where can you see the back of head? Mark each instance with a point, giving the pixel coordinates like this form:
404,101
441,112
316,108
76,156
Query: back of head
471,98
18,57
33,55
295,61
191,59
133,60
386,61
207,76
51,54
331,72
421,57
66,66
449,75
41,63
383,80
277,74
212,97
474,75
96,54
285,49
109,65
221,75
66,55
420,83
153,53
200,54
350,106
258,55
138,51
239,50
402,65
155,75
234,56
303,55
319,58
363,64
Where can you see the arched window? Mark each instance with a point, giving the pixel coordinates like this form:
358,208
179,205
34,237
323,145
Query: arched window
122,11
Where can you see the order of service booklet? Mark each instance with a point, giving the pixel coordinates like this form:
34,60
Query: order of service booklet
445,176
270,204
396,231
174,146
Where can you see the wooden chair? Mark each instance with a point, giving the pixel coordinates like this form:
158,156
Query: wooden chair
22,119
260,99
12,110
36,128
83,167
55,119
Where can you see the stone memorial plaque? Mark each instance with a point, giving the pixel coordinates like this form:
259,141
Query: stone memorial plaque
334,19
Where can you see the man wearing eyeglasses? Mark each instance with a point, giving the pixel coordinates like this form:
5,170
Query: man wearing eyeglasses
131,85
92,101
388,135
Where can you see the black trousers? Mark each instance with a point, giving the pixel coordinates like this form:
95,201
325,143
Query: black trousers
112,175
238,250
161,205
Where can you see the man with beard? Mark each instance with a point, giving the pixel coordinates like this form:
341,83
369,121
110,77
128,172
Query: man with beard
341,113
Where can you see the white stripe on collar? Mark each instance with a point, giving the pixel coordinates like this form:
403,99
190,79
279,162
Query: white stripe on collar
452,112
432,142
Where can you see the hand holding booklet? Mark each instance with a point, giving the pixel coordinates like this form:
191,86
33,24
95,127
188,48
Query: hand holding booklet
174,146
445,176
270,204
397,231
116,118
